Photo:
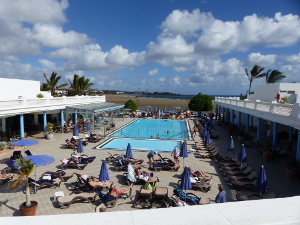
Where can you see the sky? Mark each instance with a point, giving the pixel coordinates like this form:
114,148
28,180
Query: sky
178,46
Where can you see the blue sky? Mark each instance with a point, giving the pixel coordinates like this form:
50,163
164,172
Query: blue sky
180,46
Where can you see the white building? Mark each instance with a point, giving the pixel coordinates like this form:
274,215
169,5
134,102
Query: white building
20,107
263,112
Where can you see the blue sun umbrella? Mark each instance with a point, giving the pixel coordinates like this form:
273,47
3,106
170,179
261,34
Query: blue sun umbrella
185,180
23,143
183,151
39,160
207,138
80,146
242,156
261,182
128,154
88,126
204,133
75,131
231,145
104,176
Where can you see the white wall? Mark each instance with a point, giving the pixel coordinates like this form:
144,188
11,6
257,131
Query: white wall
268,92
13,88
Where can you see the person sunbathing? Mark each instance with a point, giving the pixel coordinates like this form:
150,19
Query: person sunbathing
199,174
5,175
114,192
138,174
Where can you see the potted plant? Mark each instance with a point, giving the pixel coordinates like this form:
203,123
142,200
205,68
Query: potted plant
291,164
50,127
27,208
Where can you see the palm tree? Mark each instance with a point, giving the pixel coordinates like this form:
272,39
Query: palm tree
255,73
27,169
51,84
274,76
80,85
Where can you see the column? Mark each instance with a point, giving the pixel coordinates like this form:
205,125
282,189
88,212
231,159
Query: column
247,123
45,122
239,119
298,148
62,120
227,115
22,133
232,117
290,144
75,116
223,114
274,140
258,135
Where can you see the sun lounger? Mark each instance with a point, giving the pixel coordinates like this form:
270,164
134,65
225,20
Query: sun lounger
28,153
190,198
160,197
256,196
110,201
244,172
43,183
252,176
144,198
201,185
243,184
13,167
16,155
112,158
4,178
165,166
234,168
59,174
132,179
71,164
65,201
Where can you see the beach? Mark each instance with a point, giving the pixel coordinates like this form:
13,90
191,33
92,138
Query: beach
143,101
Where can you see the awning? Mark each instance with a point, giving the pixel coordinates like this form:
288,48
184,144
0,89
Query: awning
99,107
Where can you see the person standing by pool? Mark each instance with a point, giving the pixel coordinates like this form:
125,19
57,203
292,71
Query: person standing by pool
176,153
150,156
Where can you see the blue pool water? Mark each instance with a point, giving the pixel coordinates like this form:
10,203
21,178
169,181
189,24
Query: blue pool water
142,144
144,128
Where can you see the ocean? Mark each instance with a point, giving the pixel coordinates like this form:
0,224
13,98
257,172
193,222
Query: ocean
183,97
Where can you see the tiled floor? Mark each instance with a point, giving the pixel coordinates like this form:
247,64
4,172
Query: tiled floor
10,199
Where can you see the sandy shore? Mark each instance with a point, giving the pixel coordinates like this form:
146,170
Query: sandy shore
154,102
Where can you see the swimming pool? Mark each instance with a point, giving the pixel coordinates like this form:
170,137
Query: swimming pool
145,128
141,144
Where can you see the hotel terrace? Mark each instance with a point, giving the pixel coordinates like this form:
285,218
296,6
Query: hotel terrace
259,115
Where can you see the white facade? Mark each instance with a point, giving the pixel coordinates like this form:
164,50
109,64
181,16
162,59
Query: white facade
12,89
269,92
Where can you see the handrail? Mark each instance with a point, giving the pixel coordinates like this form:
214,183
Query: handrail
288,110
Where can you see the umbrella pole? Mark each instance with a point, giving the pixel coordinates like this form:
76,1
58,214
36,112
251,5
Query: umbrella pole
35,179
260,194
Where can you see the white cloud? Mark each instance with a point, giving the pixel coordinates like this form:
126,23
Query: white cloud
48,64
180,68
292,59
153,72
186,24
259,59
51,35
34,11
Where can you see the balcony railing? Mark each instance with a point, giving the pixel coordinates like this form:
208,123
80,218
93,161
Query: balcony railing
288,110
56,101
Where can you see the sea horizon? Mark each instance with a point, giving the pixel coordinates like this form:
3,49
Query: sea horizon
183,97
